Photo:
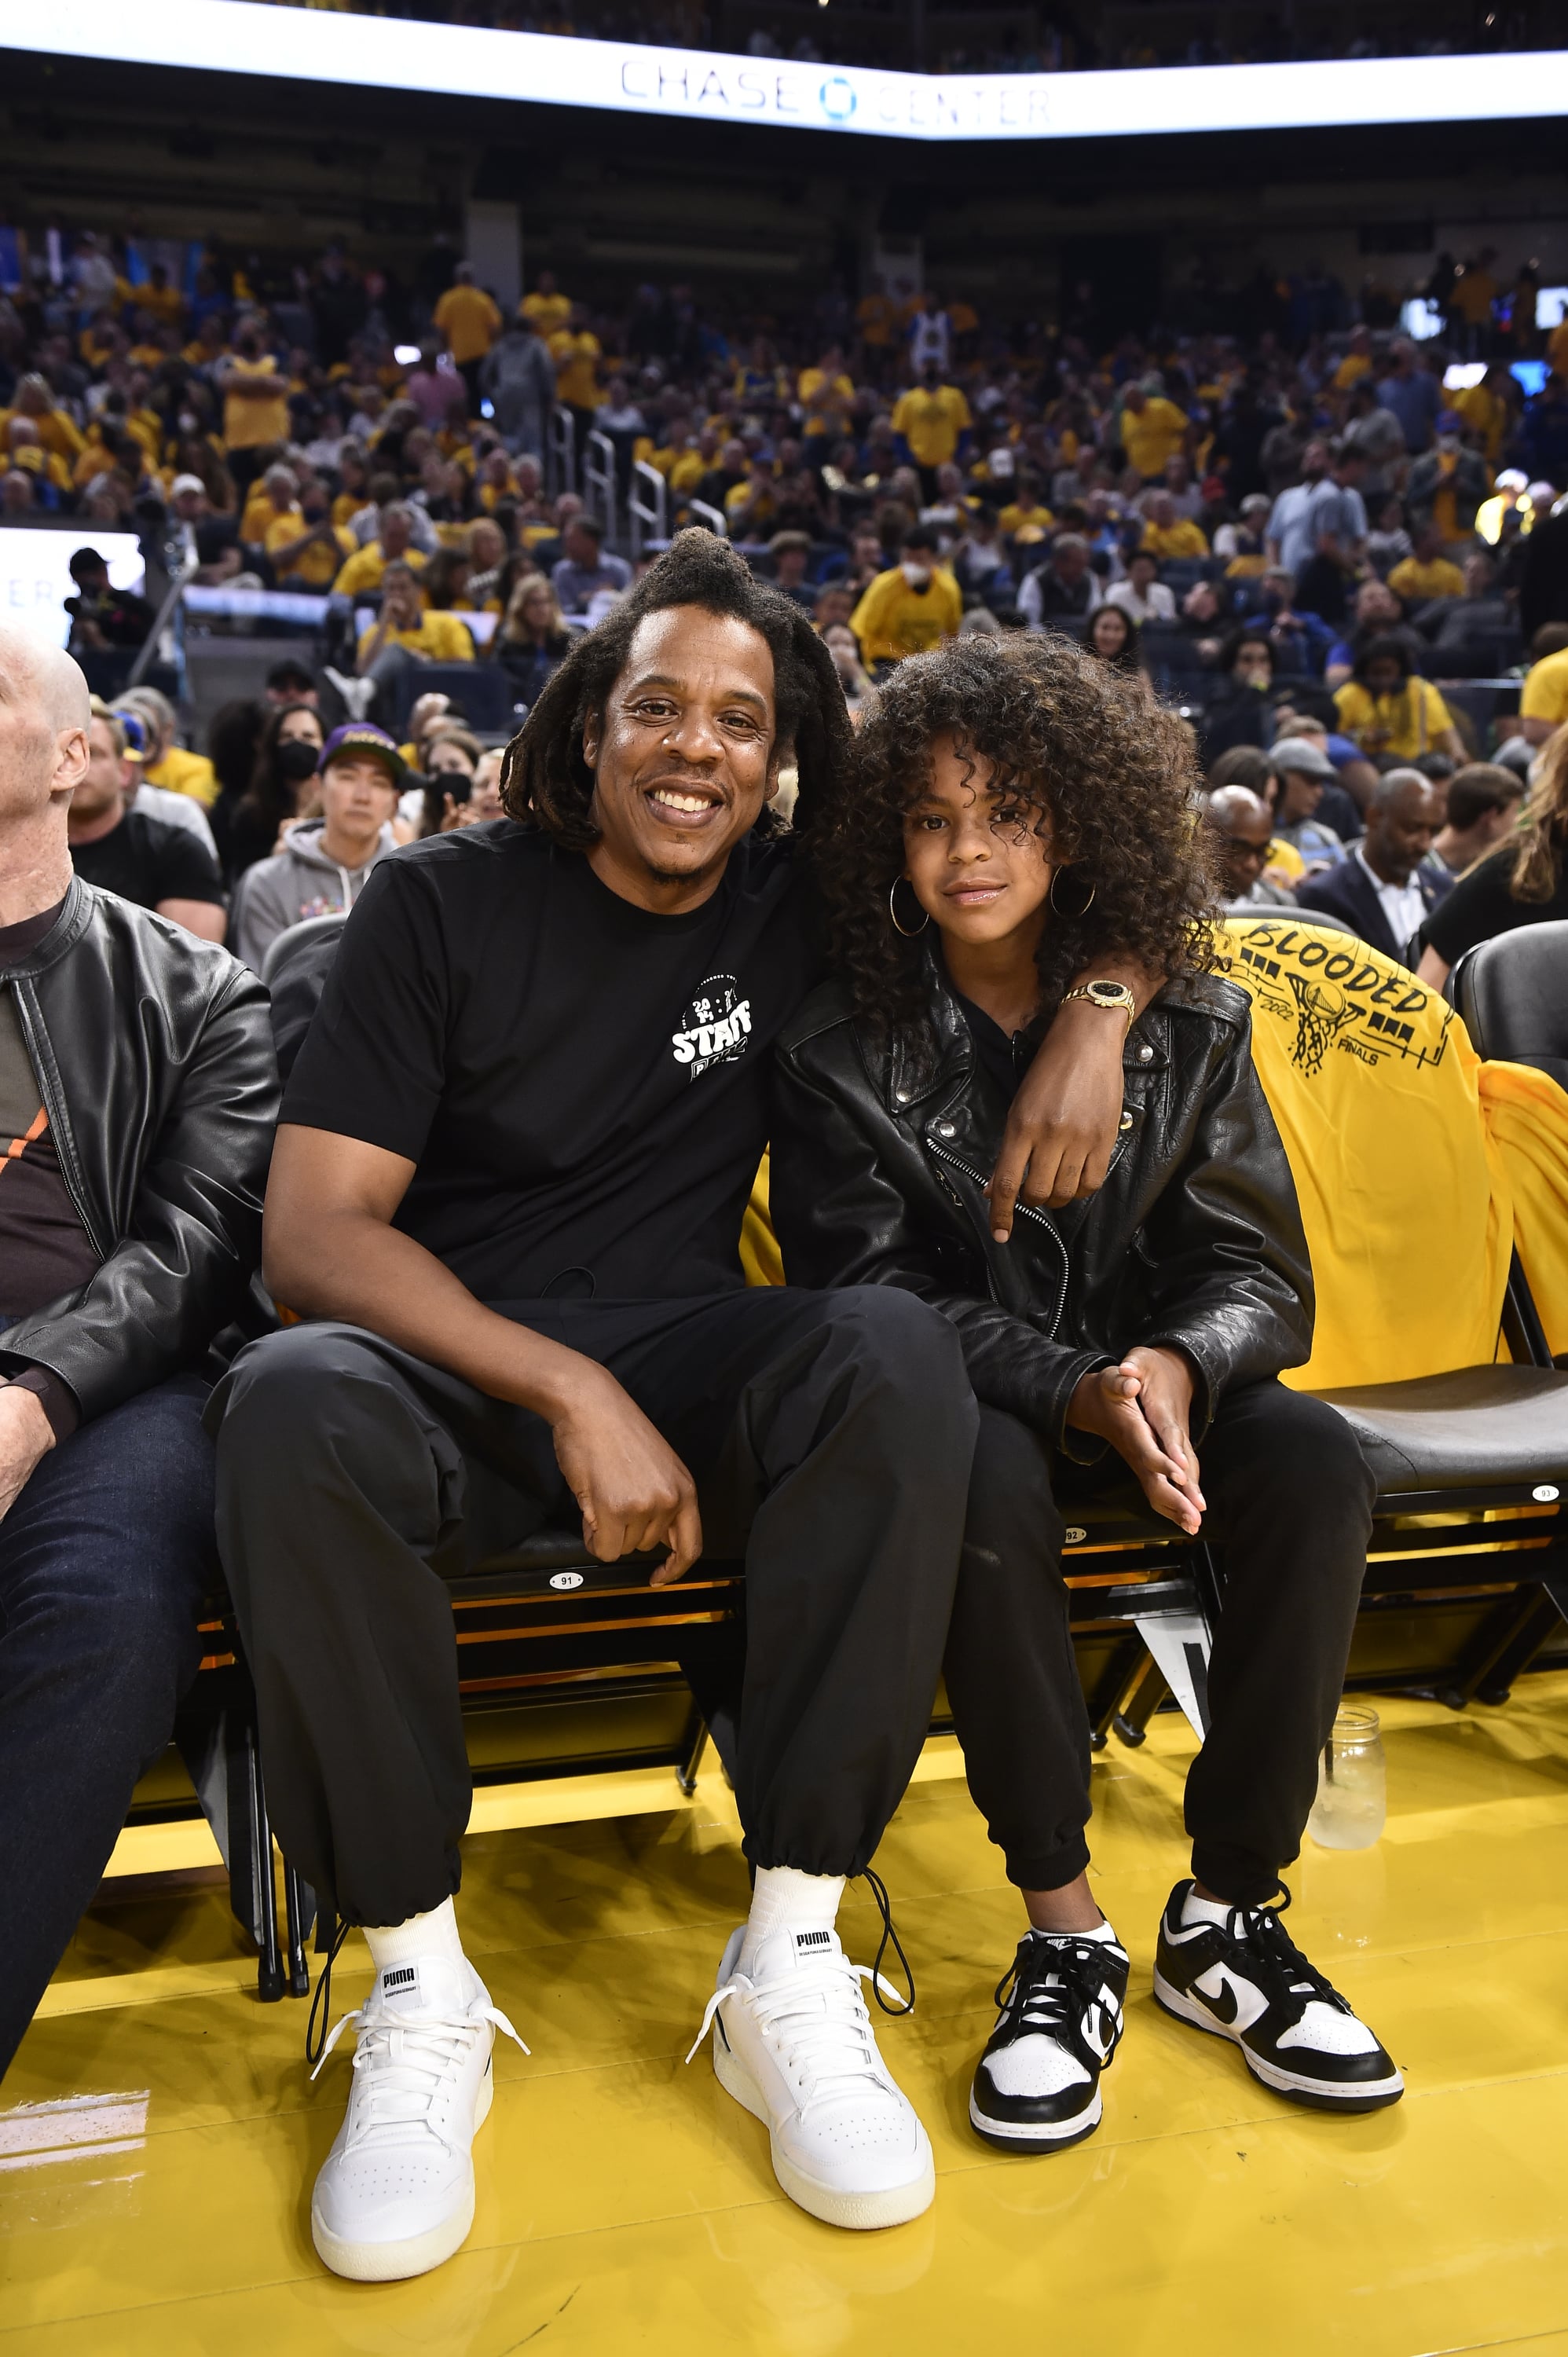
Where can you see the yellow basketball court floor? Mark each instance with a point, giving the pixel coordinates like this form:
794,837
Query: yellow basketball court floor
158,2132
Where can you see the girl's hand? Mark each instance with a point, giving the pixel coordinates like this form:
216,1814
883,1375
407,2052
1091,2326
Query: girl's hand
1142,1408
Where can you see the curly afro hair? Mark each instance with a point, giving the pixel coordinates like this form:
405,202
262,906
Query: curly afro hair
546,783
1077,748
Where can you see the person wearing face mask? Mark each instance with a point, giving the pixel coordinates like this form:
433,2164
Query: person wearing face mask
325,861
281,786
915,605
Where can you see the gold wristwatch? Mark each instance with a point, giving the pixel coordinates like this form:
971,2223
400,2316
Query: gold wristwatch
1106,994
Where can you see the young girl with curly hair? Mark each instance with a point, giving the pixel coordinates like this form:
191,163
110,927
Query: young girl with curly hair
1020,812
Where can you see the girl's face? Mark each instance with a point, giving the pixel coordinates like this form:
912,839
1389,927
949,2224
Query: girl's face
978,865
1382,675
1254,664
536,608
1107,631
445,757
301,728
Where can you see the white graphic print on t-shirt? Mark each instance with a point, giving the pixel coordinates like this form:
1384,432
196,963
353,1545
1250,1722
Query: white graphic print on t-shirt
714,1028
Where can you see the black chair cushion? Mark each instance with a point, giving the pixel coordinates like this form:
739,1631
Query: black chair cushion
1476,1427
1512,993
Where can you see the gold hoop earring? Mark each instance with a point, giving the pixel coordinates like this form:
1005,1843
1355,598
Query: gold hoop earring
1069,913
909,932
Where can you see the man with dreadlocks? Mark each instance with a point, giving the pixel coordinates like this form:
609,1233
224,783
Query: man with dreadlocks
506,1198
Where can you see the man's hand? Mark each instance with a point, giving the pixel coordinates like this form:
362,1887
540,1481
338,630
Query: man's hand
1062,1129
25,1436
1143,1408
633,1490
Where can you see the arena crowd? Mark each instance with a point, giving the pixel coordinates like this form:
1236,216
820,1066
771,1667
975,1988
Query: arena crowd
1290,537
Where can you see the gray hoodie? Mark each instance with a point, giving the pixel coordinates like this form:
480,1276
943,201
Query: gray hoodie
294,884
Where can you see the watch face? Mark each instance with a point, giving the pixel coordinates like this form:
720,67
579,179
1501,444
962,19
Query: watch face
1108,993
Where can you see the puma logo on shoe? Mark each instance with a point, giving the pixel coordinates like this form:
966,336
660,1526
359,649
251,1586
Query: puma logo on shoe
808,1942
401,1976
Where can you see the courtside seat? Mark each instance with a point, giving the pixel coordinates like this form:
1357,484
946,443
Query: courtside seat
1492,1428
1512,994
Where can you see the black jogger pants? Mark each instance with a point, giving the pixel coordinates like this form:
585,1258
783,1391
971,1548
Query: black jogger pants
1289,1500
829,1436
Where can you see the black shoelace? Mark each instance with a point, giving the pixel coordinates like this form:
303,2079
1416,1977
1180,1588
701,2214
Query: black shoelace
880,1892
1290,1980
1076,1968
321,2003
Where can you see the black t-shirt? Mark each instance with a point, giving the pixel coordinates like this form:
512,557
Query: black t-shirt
582,1084
148,861
1480,906
1003,1056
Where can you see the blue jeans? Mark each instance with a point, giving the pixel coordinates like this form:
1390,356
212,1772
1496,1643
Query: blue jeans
104,1560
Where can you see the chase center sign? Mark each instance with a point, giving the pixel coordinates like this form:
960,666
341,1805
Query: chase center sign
399,53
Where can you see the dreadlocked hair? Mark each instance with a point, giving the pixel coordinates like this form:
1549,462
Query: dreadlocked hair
546,783
1081,753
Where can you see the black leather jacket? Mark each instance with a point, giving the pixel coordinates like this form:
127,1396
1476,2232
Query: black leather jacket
154,1056
881,1151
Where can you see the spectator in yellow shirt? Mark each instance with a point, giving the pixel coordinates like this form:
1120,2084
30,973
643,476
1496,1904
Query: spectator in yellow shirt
1426,574
1028,511
1471,297
932,417
576,351
1153,430
23,446
1543,700
307,549
1385,708
877,317
913,607
1357,362
393,544
276,496
166,763
1168,534
402,635
826,394
165,303
58,431
470,321
255,407
354,477
1488,409
547,308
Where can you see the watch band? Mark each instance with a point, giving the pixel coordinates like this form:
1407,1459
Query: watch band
1108,995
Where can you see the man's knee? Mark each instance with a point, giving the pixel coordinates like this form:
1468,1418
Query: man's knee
307,1396
897,1335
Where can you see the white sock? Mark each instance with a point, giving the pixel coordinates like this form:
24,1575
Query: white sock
806,1902
1194,1909
435,1935
1101,1932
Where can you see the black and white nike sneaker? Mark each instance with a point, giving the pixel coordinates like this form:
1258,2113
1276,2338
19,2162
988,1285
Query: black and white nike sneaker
1036,2086
1246,1980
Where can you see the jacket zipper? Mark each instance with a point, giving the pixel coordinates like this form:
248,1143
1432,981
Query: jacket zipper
1024,1212
41,1058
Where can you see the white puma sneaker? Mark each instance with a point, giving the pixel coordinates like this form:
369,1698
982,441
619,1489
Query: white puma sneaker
395,2195
793,2042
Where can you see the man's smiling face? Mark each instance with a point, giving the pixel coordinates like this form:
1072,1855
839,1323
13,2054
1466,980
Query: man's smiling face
684,757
